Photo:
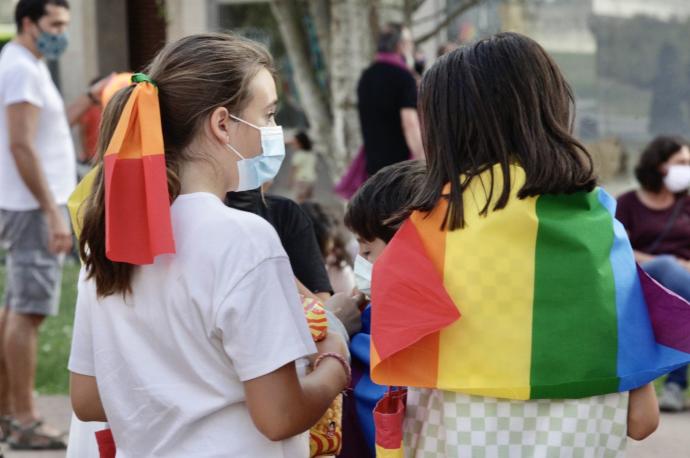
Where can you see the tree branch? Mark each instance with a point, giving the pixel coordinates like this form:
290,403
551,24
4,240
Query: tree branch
417,4
320,11
460,9
408,10
313,97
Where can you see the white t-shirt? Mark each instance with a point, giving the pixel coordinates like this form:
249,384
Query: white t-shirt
24,78
170,359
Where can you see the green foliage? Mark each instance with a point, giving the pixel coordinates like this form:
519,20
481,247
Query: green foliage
628,49
4,38
651,55
55,338
615,96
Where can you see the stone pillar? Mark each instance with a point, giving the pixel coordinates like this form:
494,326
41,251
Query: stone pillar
111,36
79,64
186,17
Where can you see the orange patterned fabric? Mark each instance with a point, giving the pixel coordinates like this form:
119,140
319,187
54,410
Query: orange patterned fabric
316,318
326,436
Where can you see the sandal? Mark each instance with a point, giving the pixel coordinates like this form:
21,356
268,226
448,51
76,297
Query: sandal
5,427
33,437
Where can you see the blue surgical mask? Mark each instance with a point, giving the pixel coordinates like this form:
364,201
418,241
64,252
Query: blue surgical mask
255,171
51,45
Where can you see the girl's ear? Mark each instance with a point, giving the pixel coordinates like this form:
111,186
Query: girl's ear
220,124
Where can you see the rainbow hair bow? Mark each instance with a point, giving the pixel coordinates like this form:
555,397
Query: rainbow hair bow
137,202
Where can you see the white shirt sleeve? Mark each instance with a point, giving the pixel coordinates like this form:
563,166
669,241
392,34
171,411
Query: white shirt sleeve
81,358
22,84
261,321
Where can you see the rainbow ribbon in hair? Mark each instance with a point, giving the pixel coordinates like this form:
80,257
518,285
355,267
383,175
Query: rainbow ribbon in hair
137,202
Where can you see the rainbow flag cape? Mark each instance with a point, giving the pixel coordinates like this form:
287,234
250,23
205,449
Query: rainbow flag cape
137,205
541,299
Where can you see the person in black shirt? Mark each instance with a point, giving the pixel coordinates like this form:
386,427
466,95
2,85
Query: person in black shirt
296,234
387,93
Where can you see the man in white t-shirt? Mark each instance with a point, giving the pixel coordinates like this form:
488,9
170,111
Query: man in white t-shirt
37,175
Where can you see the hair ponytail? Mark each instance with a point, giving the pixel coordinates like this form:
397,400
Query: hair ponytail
194,75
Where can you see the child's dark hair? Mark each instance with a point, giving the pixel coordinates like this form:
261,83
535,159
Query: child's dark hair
502,100
303,140
328,230
656,153
380,206
323,225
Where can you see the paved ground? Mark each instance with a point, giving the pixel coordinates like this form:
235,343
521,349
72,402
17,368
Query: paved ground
672,440
57,412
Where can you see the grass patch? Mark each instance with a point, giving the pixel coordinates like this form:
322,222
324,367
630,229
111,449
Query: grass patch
614,97
55,338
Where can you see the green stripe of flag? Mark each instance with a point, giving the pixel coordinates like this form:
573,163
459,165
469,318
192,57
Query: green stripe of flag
574,234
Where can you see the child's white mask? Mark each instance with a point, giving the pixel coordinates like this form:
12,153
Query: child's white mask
363,270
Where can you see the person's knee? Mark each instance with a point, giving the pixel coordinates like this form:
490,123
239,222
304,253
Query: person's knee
661,266
25,320
34,320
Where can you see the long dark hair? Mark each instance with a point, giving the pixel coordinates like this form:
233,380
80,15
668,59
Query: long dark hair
504,101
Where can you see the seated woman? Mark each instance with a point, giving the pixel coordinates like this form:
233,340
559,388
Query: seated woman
657,218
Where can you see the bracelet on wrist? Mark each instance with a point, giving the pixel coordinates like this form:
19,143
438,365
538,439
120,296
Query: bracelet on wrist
343,362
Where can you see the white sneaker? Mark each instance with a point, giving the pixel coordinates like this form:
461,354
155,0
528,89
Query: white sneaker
672,398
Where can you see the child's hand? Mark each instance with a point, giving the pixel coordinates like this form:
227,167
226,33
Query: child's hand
347,310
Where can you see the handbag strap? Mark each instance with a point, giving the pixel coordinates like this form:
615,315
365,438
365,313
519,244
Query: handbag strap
669,224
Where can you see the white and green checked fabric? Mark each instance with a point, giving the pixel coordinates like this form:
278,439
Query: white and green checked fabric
443,424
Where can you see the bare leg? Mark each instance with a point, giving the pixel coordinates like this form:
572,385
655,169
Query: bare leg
21,342
5,406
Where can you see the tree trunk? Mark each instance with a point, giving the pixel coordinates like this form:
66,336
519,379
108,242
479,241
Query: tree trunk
320,11
351,51
314,101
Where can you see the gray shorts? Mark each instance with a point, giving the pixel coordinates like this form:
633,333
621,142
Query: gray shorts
33,274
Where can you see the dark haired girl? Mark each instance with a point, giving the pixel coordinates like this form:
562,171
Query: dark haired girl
495,301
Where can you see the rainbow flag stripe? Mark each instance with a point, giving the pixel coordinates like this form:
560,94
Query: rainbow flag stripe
137,204
541,299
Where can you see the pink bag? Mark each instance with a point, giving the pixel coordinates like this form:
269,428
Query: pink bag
354,177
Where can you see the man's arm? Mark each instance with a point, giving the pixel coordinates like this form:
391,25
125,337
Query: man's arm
76,109
412,132
85,101
22,123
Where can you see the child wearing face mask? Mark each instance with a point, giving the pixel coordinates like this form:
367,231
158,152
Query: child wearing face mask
374,215
657,219
189,332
